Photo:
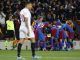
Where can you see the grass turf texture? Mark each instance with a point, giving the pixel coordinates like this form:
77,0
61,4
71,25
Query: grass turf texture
45,55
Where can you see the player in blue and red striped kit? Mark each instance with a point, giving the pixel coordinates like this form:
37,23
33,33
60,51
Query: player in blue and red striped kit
70,35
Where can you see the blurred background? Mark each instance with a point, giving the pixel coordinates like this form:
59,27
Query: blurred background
48,20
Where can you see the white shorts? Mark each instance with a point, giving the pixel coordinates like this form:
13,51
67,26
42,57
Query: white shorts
24,33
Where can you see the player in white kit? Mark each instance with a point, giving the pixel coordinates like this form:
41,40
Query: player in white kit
26,30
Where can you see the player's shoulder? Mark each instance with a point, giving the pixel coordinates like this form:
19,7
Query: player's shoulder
24,10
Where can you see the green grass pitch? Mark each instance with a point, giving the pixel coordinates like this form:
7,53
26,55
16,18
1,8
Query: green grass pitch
45,55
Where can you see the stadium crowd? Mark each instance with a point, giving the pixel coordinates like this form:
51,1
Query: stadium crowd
56,22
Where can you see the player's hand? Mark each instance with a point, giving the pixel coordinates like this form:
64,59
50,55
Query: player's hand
28,33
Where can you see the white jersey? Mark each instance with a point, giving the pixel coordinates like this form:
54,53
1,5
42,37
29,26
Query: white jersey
25,13
23,28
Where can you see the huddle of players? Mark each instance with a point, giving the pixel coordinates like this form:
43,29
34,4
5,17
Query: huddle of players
57,35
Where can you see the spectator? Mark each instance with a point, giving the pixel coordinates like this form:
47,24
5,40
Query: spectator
16,26
10,28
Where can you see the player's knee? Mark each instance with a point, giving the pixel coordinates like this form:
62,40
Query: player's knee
21,41
32,40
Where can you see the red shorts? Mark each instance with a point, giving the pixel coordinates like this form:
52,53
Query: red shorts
53,32
61,34
71,35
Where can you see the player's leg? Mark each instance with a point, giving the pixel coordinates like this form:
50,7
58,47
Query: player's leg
19,47
71,36
60,45
32,39
65,41
60,40
22,36
33,46
34,57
